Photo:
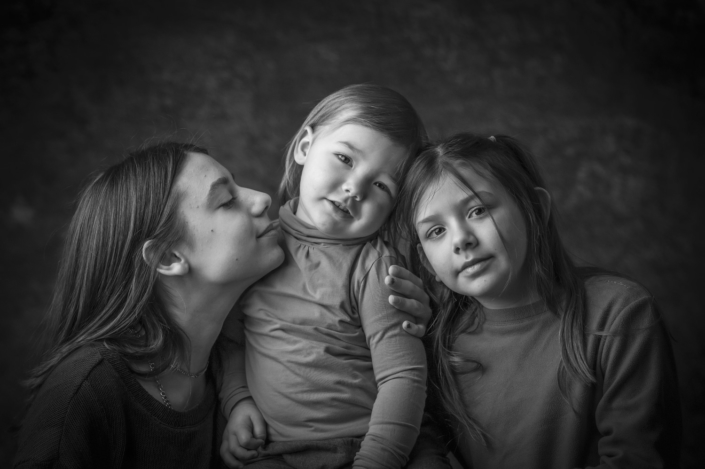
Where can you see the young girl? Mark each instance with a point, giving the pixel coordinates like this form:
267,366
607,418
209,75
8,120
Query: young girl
538,364
328,364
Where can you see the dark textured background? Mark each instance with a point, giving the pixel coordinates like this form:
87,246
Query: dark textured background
609,94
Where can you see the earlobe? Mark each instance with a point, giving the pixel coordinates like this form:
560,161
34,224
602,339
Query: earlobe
303,145
545,201
425,262
171,264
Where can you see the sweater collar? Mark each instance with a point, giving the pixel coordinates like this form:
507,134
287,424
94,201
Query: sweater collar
305,232
516,313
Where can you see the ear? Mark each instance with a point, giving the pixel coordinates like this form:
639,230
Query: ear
171,264
545,201
425,262
303,145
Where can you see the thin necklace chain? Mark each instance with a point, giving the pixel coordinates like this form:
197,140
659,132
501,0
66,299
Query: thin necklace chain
176,367
173,366
159,387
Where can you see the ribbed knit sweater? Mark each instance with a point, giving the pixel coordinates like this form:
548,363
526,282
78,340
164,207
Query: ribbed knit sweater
629,418
92,413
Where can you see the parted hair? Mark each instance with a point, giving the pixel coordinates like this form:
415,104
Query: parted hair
106,291
558,281
373,106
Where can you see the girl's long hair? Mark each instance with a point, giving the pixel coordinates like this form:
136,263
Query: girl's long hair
105,291
558,281
373,106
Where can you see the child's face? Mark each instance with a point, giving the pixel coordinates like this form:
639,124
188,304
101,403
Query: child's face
348,184
230,239
475,246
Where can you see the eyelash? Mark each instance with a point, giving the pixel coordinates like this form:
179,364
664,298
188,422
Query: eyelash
229,203
344,159
384,187
481,208
347,160
430,233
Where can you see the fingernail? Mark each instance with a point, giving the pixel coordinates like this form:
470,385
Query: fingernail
406,325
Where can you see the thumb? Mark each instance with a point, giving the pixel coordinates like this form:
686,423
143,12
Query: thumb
259,427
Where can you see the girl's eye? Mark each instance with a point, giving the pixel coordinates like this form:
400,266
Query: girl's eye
343,158
384,187
434,232
229,203
477,212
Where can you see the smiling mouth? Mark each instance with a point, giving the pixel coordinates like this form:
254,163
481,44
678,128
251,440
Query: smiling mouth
341,207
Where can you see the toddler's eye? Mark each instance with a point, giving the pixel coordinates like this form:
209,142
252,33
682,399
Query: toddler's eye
229,203
343,158
384,187
434,232
477,212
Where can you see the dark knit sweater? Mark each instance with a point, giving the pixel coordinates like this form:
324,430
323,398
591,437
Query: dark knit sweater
91,412
629,418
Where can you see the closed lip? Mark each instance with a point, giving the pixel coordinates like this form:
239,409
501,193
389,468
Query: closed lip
472,262
271,228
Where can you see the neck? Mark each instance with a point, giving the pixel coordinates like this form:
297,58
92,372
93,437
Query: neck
200,313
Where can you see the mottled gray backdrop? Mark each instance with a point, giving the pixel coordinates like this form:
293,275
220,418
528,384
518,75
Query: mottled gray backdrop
608,93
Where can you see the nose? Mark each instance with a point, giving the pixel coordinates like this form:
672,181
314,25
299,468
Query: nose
354,187
259,202
463,240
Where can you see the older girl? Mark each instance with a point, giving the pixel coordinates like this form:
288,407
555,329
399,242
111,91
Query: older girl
538,363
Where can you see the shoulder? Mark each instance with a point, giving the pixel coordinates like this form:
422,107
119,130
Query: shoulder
67,398
618,303
377,250
70,374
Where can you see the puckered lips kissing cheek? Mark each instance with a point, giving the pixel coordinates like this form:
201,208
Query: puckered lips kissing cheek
271,230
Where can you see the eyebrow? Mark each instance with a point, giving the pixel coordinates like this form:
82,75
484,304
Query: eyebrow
350,145
217,184
466,200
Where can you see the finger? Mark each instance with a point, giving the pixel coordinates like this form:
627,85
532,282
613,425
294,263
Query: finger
247,441
259,427
407,289
228,458
237,449
402,273
417,330
418,310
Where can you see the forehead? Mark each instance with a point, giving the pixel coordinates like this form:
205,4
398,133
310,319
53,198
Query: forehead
448,185
197,174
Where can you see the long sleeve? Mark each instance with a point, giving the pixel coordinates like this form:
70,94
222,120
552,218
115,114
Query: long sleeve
399,364
430,450
234,384
638,413
69,432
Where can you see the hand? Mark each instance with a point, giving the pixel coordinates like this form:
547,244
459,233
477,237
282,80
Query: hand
413,299
245,433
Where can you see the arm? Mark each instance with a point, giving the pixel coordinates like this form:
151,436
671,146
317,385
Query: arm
246,428
399,365
67,431
430,451
638,413
234,382
408,295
